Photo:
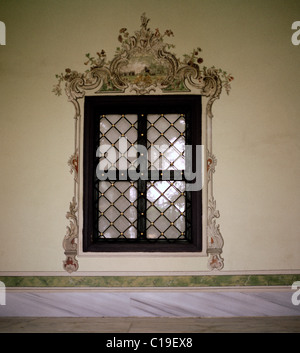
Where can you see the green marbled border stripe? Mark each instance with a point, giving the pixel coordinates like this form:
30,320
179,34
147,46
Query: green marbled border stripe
150,281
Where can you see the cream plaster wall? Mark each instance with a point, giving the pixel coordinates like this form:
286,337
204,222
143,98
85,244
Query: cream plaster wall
256,129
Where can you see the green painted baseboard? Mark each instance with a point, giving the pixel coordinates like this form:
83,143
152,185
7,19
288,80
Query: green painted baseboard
150,281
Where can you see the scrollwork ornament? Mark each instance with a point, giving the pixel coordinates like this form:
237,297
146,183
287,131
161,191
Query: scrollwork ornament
143,63
215,239
215,261
70,264
211,165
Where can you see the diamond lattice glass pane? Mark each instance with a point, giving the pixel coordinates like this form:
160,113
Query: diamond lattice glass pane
112,135
180,124
103,225
166,141
105,125
152,213
171,134
166,210
172,213
117,209
180,223
117,134
130,214
111,232
152,233
180,144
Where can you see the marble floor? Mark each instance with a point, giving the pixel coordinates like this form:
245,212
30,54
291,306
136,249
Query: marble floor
290,324
156,303
158,310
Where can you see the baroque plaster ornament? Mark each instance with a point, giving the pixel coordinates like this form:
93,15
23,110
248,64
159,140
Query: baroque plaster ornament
143,64
70,264
73,164
211,164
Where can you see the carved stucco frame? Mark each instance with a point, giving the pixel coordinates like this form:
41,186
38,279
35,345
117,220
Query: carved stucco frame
169,75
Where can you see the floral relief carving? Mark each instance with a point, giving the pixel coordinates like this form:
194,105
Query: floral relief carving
143,64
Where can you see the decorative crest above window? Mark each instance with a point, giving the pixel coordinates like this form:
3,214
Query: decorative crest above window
143,64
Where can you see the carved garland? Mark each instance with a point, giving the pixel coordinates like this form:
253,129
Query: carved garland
143,64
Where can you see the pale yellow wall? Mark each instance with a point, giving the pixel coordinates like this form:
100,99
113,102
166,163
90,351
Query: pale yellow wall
256,128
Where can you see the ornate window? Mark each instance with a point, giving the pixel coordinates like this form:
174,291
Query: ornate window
110,97
137,193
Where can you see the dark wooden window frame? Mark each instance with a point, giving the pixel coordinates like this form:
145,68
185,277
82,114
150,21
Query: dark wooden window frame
94,106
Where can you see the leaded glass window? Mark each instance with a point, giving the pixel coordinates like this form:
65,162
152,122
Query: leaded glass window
138,200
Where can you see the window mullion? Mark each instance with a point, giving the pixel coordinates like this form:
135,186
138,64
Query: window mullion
142,184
